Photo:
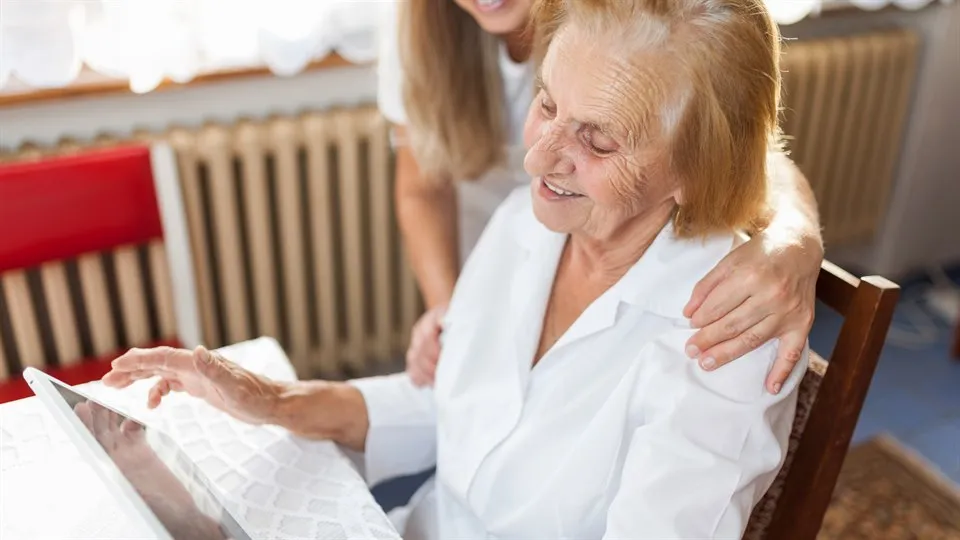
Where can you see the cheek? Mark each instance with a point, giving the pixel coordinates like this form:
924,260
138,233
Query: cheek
609,183
466,5
525,6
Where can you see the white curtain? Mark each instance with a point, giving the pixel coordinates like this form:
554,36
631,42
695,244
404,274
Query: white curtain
45,43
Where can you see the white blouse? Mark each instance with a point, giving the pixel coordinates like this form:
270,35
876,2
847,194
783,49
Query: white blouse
615,433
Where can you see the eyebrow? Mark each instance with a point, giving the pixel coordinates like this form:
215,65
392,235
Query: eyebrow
606,127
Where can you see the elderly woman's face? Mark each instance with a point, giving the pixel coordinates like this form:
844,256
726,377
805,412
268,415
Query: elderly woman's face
597,155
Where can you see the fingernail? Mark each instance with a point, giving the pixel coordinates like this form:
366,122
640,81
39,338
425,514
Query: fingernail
777,387
708,363
692,351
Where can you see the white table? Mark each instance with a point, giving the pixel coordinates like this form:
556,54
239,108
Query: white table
48,491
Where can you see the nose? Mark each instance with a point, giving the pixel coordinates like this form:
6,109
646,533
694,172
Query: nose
546,155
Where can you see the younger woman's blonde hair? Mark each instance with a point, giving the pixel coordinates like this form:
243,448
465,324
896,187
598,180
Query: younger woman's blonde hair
727,53
452,90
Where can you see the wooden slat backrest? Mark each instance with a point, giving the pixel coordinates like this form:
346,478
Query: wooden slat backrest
829,404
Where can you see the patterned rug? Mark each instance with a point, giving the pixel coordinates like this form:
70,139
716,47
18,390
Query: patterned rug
886,492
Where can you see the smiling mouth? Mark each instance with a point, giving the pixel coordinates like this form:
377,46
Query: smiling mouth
558,190
489,5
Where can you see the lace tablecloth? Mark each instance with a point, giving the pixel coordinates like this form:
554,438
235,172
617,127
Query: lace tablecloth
282,486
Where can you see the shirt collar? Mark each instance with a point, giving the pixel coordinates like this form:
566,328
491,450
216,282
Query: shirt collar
663,280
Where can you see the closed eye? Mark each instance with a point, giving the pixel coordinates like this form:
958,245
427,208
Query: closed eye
598,143
548,107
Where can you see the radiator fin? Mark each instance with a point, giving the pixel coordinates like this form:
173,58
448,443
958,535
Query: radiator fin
846,100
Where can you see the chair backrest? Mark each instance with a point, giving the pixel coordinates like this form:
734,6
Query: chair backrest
829,402
84,270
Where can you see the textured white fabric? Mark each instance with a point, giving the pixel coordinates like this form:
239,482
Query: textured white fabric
615,433
282,486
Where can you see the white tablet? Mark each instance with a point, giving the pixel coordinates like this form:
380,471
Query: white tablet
160,488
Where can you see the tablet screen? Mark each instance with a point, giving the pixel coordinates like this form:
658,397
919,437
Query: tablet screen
167,480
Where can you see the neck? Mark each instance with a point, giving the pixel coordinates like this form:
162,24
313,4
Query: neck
609,258
519,44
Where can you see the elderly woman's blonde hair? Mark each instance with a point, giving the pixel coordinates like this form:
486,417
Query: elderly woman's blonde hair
724,121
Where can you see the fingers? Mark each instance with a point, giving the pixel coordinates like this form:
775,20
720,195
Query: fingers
104,425
100,419
132,433
745,342
731,325
430,369
422,360
157,393
153,360
417,375
723,299
85,414
138,364
704,288
424,350
123,379
788,354
422,370
131,428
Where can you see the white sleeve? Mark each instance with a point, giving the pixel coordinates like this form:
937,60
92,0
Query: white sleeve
710,445
389,68
402,437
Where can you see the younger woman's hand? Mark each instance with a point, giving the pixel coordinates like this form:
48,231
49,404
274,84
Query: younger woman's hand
424,351
759,291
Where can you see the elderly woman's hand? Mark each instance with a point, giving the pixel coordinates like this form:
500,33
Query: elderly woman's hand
424,351
759,291
200,373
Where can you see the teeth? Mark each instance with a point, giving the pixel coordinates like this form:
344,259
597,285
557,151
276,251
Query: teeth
488,3
557,190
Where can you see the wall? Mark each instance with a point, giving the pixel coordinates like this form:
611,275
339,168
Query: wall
922,226
83,118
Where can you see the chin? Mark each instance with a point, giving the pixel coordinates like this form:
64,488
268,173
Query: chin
558,222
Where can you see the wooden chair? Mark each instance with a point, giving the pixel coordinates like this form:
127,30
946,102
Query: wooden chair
830,398
93,260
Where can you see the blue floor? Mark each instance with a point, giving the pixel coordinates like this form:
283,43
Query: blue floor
915,392
914,395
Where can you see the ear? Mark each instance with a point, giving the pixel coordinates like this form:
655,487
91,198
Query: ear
677,194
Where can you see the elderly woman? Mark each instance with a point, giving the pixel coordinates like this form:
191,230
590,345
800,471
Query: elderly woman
564,405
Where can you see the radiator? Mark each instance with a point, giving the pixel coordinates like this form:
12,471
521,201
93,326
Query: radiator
93,306
845,104
293,236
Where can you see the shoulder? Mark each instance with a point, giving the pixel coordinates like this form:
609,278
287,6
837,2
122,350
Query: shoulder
663,280
740,381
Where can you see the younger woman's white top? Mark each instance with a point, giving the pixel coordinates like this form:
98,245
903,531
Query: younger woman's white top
480,197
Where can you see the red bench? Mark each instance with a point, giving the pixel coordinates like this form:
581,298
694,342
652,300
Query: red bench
84,271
